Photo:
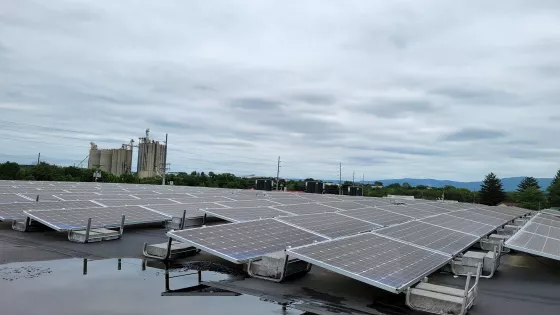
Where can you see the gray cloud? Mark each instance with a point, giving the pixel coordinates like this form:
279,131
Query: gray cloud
236,88
253,103
396,108
474,134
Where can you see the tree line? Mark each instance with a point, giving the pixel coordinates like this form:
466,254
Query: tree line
528,194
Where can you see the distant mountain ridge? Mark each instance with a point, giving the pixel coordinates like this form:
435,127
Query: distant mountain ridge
510,183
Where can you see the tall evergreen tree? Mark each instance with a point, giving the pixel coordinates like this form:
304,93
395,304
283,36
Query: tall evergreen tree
554,191
492,191
528,182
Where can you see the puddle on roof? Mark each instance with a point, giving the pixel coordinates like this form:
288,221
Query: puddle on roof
120,286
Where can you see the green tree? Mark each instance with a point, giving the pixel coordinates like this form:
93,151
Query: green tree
492,191
528,182
406,186
532,198
9,171
553,191
378,183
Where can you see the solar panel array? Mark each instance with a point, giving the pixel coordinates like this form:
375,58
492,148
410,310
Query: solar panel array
540,236
408,238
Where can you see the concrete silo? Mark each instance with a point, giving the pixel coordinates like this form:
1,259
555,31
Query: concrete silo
114,161
152,157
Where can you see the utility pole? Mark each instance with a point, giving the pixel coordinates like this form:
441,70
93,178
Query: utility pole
164,162
363,176
278,174
340,179
39,158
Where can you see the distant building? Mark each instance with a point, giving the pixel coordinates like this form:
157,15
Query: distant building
114,161
152,157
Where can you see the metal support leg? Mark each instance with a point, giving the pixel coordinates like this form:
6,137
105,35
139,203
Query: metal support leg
121,230
168,253
85,266
204,219
87,230
183,219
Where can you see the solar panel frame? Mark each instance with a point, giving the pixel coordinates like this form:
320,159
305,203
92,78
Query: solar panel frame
342,205
439,239
81,216
134,202
13,198
330,225
257,203
256,231
14,211
308,208
461,225
407,211
479,217
176,210
555,213
528,242
369,239
377,216
245,214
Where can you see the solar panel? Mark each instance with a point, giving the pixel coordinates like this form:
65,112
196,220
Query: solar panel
14,211
176,210
331,225
494,214
200,199
430,207
248,203
555,213
65,220
461,225
241,242
373,202
377,216
513,210
535,244
12,198
309,208
42,197
551,221
245,214
430,236
373,259
479,217
405,210
134,202
540,236
343,205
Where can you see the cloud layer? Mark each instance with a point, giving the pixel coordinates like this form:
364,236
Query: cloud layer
391,89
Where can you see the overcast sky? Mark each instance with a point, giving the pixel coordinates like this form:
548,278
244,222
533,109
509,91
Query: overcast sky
423,89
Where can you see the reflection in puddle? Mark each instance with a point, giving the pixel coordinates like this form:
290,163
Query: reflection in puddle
123,286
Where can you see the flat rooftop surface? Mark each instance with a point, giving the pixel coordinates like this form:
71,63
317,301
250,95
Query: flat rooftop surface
46,268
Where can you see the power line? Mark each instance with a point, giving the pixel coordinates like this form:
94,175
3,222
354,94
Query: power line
44,127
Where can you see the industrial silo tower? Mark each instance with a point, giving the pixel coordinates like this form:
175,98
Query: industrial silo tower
151,157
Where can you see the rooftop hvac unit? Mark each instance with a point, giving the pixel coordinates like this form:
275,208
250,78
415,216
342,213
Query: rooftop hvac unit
355,191
263,184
